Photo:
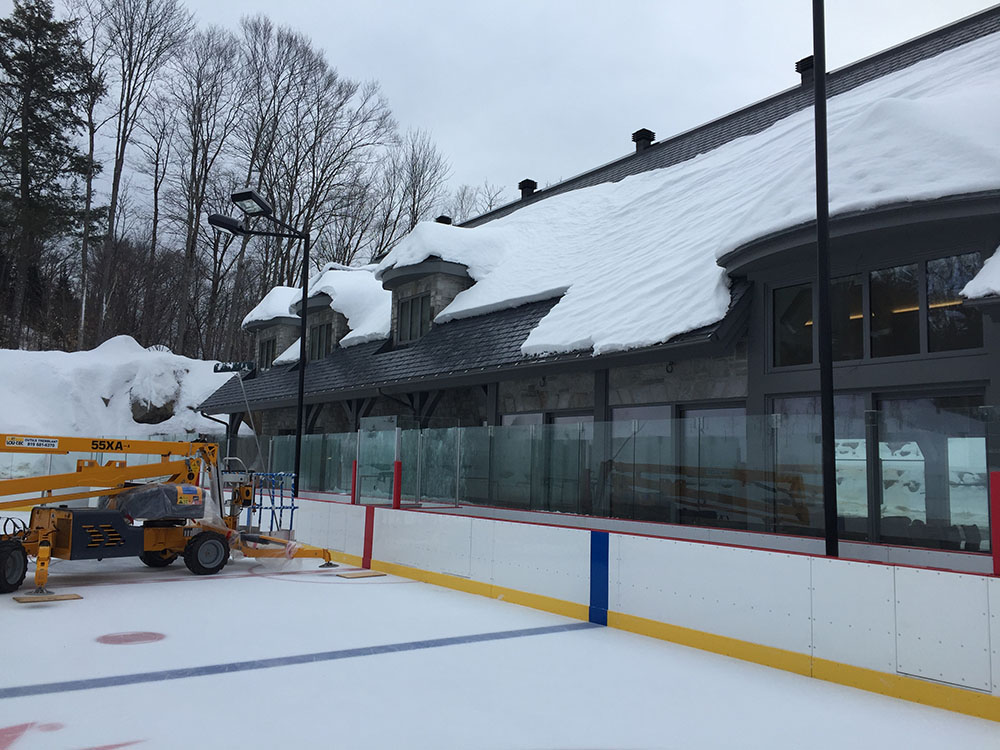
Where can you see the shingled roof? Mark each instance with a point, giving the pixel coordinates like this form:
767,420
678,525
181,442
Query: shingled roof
759,116
455,353
489,346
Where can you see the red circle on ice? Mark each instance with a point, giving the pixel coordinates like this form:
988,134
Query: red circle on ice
124,639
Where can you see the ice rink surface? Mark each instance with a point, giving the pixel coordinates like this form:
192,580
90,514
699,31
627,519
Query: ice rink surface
285,655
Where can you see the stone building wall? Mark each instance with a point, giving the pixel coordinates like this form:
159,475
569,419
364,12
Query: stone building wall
687,380
565,392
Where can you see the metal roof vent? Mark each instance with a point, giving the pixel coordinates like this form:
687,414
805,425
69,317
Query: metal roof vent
643,138
527,187
443,219
804,68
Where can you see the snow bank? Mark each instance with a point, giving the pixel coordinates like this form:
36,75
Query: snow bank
987,281
277,303
637,259
98,392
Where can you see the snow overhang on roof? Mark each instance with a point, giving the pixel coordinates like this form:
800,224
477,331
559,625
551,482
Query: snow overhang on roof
358,296
394,277
637,259
273,309
985,286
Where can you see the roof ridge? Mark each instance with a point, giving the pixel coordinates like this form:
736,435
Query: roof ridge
925,46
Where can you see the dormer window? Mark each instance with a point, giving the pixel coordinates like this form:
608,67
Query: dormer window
320,340
414,317
266,352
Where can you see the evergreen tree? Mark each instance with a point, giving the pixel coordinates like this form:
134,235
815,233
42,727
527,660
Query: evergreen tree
44,76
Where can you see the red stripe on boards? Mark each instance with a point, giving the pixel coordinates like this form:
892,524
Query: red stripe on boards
366,559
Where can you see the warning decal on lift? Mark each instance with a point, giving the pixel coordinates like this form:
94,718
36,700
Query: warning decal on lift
31,442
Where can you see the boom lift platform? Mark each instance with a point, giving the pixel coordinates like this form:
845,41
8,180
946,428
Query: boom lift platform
178,517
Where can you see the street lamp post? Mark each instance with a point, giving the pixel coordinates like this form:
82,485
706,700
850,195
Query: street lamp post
823,317
253,206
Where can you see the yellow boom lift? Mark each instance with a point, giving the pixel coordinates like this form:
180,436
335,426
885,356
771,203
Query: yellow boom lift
179,519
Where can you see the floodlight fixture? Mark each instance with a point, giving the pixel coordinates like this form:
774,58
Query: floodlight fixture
227,224
252,203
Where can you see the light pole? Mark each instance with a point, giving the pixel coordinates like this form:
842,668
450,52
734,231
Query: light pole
823,324
253,205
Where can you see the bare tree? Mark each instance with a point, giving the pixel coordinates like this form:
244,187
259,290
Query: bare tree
203,93
425,175
91,18
467,201
143,36
158,127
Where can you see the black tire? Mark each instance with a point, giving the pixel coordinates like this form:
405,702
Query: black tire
158,558
206,554
13,565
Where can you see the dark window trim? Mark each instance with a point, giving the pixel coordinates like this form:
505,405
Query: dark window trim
921,259
402,338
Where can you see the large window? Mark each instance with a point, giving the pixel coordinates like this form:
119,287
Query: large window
320,340
949,324
414,318
895,311
910,309
793,313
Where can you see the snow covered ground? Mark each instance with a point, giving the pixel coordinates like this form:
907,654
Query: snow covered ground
99,392
287,654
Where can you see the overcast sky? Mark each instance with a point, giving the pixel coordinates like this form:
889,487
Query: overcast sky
547,89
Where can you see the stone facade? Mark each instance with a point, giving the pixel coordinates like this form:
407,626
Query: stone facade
564,392
687,380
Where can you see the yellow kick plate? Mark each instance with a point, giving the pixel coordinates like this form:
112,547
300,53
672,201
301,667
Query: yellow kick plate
31,598
360,574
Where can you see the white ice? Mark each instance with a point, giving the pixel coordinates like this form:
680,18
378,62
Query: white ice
597,688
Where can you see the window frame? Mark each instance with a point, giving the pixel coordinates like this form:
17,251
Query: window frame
921,260
267,350
404,313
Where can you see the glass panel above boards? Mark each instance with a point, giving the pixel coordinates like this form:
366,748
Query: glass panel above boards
934,488
798,466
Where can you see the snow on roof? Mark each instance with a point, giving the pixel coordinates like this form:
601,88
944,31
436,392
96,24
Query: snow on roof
986,283
277,303
290,355
637,258
358,296
353,292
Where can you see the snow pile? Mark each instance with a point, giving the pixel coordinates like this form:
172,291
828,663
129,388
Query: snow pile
635,260
277,303
103,391
987,281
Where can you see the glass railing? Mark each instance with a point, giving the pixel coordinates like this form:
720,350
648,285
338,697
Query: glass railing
912,475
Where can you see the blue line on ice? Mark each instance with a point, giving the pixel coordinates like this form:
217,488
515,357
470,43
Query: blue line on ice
280,661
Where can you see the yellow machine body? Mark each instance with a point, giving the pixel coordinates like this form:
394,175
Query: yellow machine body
91,533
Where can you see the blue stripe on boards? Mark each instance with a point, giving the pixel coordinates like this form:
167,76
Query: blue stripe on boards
281,661
599,577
